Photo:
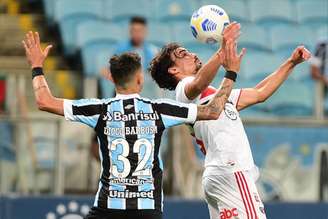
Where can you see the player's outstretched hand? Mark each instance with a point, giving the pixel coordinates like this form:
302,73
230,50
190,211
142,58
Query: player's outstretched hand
300,55
231,32
34,53
232,59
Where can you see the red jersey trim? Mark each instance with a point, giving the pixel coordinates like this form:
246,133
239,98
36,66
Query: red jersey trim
207,92
201,144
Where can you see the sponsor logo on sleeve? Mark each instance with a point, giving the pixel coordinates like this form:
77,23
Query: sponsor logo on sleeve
230,111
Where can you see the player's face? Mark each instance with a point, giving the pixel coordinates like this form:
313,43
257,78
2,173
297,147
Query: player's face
185,62
138,33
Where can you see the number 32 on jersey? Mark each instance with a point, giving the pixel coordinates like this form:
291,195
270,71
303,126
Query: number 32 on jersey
141,169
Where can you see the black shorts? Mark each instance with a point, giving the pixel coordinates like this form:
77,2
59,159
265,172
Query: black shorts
99,213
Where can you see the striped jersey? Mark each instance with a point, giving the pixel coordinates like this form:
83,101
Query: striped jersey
129,130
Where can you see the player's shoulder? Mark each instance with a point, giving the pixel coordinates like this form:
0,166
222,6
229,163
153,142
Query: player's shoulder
165,101
157,101
90,101
180,94
97,101
182,83
143,99
187,79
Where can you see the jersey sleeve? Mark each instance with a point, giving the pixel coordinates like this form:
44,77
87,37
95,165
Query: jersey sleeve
234,96
86,111
175,113
180,94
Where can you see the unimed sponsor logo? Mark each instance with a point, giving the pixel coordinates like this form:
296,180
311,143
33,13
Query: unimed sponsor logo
228,213
128,194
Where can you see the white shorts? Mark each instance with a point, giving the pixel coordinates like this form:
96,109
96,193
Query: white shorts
233,196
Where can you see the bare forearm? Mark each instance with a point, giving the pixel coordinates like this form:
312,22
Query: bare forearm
214,108
44,99
207,73
271,83
204,77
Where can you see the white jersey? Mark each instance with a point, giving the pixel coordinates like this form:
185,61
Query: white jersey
225,141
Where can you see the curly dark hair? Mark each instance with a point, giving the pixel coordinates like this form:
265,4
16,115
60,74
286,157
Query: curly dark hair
159,67
123,67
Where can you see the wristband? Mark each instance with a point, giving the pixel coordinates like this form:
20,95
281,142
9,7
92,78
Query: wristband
36,72
231,75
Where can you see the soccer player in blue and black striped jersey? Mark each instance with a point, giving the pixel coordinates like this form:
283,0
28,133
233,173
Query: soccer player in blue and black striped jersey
128,129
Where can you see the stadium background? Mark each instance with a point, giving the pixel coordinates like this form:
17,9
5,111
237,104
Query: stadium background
46,168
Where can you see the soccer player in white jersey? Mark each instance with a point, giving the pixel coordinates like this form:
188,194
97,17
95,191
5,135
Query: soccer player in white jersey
128,128
230,173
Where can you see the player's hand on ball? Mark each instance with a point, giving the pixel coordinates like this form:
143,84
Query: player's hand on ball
231,32
34,53
300,55
232,59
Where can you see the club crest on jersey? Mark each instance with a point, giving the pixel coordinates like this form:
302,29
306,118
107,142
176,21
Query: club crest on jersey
119,116
230,111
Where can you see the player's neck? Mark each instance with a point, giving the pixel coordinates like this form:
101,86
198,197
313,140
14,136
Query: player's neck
128,90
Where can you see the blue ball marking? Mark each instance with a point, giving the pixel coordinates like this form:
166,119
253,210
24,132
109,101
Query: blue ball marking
208,25
218,11
195,14
204,25
194,31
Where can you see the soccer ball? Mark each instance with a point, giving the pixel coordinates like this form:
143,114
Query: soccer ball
208,22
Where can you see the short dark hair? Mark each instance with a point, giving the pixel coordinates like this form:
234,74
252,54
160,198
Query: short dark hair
138,20
159,67
123,67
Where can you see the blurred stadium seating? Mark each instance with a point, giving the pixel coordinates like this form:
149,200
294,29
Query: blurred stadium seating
237,10
313,13
295,35
69,14
270,13
7,152
255,38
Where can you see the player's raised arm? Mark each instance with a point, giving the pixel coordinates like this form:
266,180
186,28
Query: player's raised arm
36,56
232,61
206,73
263,90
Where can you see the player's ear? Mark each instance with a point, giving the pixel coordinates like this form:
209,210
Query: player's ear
140,77
173,70
110,77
